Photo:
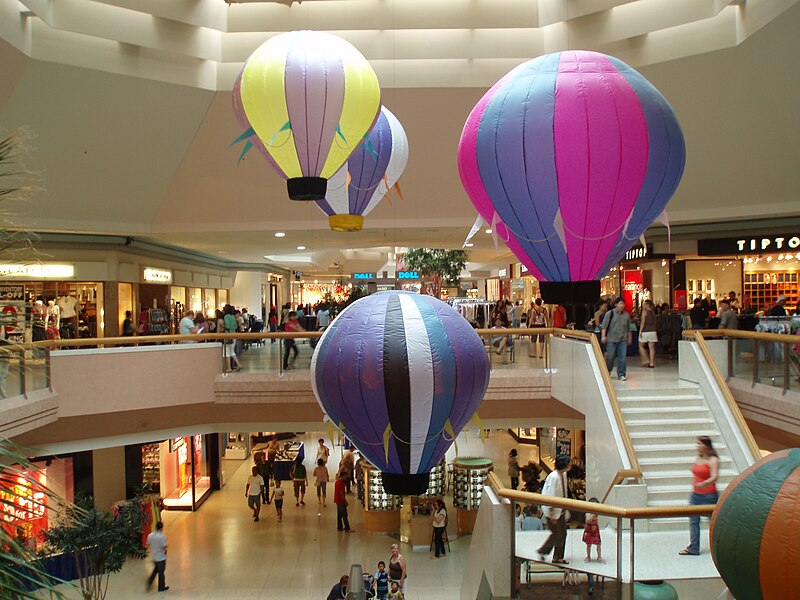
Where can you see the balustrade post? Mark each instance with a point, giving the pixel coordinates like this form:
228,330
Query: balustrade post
619,557
756,376
731,350
785,368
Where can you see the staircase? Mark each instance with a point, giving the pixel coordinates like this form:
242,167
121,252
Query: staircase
664,424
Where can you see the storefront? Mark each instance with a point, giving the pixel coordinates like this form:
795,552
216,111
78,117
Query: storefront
58,305
768,267
182,470
643,275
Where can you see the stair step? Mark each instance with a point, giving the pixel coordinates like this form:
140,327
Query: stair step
667,391
657,465
663,480
660,401
663,412
674,524
684,439
663,427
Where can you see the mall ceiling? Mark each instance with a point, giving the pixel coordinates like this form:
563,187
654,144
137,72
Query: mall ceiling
130,105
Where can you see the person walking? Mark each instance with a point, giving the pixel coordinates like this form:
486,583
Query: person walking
323,452
252,492
321,479
704,491
398,568
340,499
300,481
648,338
513,468
615,333
264,470
439,520
292,325
556,485
277,499
157,542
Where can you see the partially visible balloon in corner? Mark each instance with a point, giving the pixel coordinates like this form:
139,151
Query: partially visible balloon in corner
306,99
367,176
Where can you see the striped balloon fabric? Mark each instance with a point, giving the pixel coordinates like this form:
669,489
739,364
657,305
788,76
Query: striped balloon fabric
571,156
400,374
310,97
756,527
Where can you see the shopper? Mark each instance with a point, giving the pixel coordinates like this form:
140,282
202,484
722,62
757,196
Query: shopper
647,335
779,310
591,535
323,317
229,326
559,316
439,520
398,568
277,498
157,542
200,323
321,479
292,325
532,519
187,326
396,592
347,466
340,499
704,491
500,341
272,321
615,333
556,485
128,328
264,470
323,452
699,314
339,590
513,468
727,316
300,481
381,581
252,492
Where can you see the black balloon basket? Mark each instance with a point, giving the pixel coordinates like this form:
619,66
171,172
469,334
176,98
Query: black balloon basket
405,485
307,188
568,293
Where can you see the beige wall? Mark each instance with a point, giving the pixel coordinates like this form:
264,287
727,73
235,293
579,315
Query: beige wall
726,277
108,467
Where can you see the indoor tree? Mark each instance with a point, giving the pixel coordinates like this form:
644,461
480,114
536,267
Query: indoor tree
99,541
442,266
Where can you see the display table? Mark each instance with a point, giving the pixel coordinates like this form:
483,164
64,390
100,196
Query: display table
285,459
381,510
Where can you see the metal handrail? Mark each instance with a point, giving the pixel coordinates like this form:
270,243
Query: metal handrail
697,336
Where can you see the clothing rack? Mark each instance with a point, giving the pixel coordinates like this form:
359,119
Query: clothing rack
473,309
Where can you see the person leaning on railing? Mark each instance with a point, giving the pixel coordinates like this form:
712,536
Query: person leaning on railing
727,316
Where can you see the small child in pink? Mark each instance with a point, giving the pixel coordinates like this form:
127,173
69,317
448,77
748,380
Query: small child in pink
591,535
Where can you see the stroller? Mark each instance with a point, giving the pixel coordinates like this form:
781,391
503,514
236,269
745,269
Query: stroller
369,588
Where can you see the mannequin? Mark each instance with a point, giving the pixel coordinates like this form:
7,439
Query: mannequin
68,306
38,314
53,320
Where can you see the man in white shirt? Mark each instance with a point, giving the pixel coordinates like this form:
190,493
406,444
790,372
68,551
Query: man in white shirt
157,542
323,317
323,453
556,485
253,492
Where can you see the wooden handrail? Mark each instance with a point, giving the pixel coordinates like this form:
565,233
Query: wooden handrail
755,451
780,338
607,510
621,476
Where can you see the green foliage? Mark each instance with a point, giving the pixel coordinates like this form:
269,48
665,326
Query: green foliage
358,291
437,263
99,542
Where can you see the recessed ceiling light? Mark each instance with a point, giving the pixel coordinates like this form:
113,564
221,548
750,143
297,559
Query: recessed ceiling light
280,234
488,231
301,247
470,245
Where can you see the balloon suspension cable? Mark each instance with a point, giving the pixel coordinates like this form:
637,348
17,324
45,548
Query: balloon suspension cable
519,236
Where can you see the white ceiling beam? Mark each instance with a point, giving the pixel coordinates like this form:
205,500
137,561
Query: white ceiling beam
553,11
211,14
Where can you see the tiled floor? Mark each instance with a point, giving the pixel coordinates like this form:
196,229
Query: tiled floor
218,552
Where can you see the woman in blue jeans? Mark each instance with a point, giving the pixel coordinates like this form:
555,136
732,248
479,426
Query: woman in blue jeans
706,472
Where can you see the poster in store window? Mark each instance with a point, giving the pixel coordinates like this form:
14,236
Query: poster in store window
24,506
12,312
563,442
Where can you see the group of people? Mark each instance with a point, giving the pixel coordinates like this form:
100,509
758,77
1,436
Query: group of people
388,583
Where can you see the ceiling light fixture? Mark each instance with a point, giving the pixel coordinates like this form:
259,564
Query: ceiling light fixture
301,247
488,231
470,245
280,234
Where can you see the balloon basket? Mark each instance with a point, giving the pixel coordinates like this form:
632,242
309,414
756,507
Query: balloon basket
570,292
346,222
307,188
405,485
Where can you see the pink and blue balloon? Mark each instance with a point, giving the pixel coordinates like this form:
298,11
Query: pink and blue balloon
306,99
400,374
367,176
573,155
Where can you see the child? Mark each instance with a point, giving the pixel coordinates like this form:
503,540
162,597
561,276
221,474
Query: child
591,535
321,479
381,581
277,496
395,593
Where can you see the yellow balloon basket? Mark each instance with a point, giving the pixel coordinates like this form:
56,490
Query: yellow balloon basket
346,222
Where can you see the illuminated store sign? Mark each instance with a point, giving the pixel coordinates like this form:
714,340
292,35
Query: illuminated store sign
363,275
38,271
157,275
744,245
502,272
408,274
638,252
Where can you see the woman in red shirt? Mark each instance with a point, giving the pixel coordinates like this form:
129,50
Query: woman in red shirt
704,491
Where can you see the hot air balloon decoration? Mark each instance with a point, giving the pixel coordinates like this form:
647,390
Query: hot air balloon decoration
306,99
400,374
755,527
367,176
571,156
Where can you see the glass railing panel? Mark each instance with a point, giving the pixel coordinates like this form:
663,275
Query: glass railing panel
12,374
743,358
